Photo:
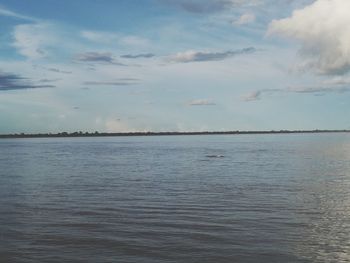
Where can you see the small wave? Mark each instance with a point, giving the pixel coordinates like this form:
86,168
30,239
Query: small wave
215,156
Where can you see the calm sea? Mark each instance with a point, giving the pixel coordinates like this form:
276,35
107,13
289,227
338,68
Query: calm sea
248,198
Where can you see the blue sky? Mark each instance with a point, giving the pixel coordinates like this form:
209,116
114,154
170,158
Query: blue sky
173,65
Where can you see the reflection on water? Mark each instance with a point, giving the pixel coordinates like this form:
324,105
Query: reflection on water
325,206
266,198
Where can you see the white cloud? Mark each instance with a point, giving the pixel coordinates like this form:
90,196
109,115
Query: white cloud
6,12
99,36
202,102
134,41
323,30
255,95
200,56
244,19
337,81
104,37
31,40
322,88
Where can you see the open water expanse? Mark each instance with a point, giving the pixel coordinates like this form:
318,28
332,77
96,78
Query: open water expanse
246,198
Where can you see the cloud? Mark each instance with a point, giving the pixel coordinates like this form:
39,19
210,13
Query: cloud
119,82
131,56
323,30
103,37
209,6
56,70
244,19
31,40
318,89
202,102
10,81
97,57
253,96
48,80
198,56
8,13
135,41
333,85
99,36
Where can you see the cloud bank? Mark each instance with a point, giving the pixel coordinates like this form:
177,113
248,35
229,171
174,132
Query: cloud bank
323,30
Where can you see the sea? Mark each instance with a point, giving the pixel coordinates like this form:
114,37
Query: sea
228,198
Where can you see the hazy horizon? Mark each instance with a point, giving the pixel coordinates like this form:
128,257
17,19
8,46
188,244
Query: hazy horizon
173,65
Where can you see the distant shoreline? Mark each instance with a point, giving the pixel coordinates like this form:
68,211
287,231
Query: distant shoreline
130,134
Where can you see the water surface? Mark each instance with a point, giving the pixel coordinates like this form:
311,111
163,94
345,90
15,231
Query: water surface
247,198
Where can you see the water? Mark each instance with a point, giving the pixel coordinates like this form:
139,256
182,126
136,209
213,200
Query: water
249,198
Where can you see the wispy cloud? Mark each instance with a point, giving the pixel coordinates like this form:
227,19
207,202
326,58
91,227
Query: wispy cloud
244,19
209,6
135,41
57,70
97,57
118,82
134,56
337,84
10,81
48,80
31,40
199,56
202,102
253,96
9,13
104,37
334,85
318,89
99,37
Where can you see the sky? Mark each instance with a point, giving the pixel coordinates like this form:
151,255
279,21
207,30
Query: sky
174,65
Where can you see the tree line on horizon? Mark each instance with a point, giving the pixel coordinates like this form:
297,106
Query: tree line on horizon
97,133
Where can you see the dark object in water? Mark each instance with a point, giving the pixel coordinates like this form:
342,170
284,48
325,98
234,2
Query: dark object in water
215,156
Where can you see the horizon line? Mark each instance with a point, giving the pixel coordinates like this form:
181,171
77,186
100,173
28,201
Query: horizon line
165,133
